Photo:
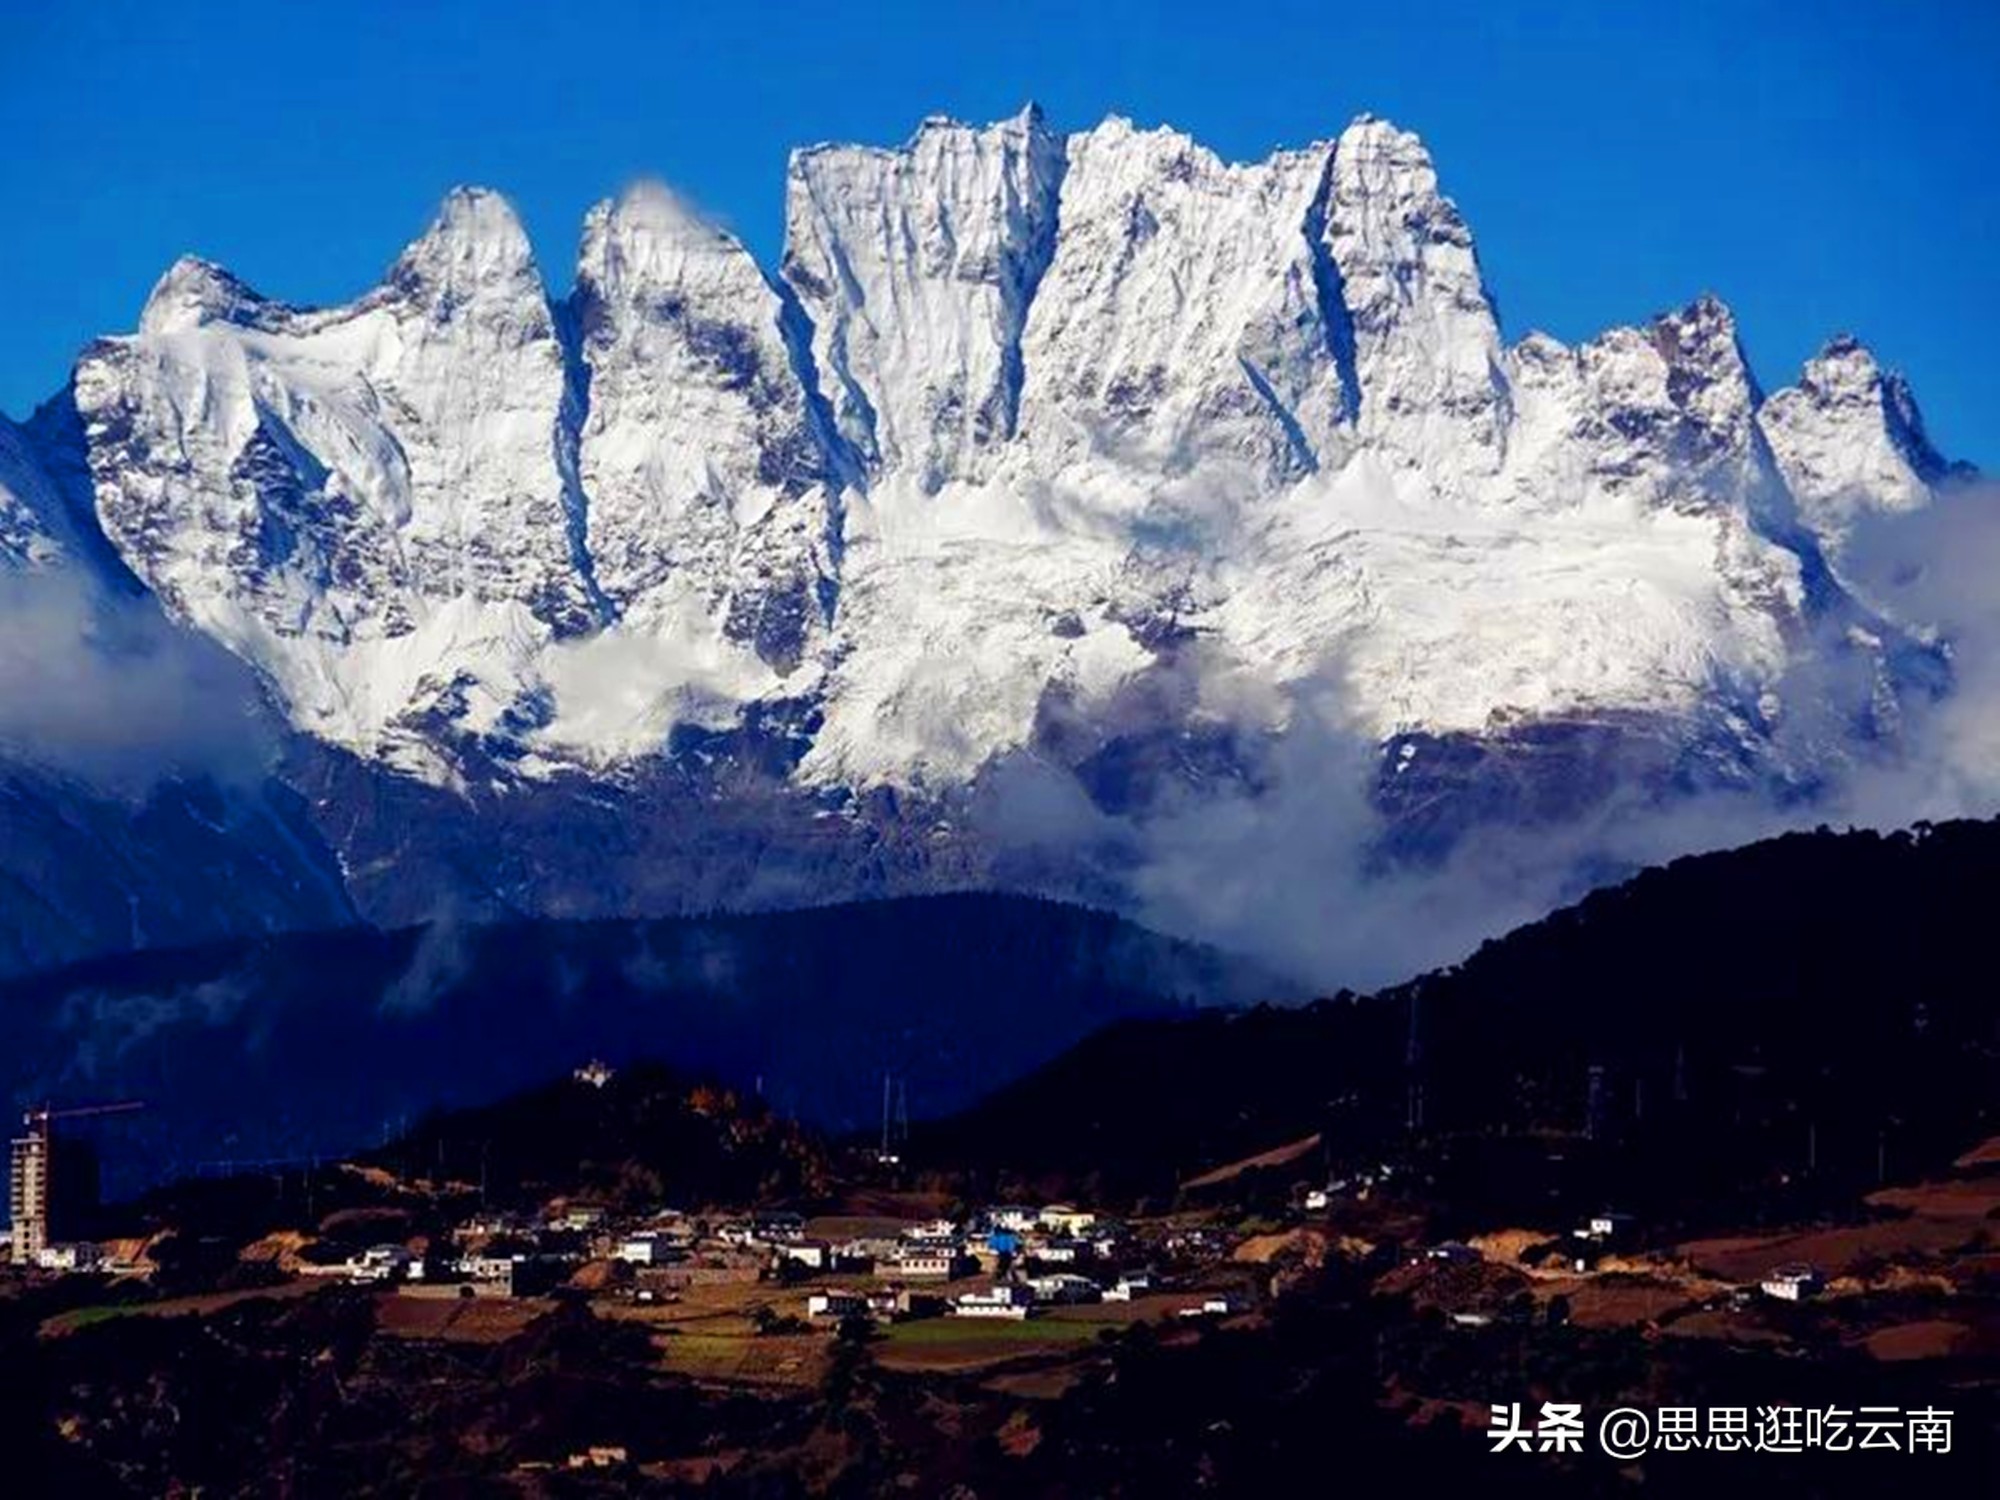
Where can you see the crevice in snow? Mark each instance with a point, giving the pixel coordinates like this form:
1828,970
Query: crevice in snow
568,438
1334,314
1044,221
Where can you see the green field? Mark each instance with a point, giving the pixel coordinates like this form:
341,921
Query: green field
83,1317
966,1343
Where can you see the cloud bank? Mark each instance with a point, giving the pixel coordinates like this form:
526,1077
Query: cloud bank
107,689
1296,862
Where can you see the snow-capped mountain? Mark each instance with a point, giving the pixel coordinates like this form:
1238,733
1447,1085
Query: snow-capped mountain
1036,449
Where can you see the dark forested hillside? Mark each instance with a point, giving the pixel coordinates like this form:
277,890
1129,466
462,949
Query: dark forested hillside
332,1041
1820,1007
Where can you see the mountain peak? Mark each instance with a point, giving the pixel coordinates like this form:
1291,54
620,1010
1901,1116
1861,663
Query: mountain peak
1845,369
475,241
646,237
1426,336
1846,374
194,292
1112,379
1388,146
1701,335
1849,441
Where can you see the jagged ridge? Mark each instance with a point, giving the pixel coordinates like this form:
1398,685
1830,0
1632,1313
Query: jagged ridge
1038,447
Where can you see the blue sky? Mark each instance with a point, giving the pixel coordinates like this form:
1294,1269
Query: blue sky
1822,166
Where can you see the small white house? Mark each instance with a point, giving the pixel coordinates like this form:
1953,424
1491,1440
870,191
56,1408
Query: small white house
80,1256
382,1262
815,1254
1792,1283
1606,1226
778,1228
1060,1218
1215,1305
1064,1287
942,1264
1318,1200
1058,1251
1125,1288
647,1249
489,1267
836,1305
1013,1218
1003,1301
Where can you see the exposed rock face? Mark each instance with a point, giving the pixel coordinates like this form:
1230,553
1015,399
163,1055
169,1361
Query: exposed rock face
709,487
917,267
1427,345
1184,318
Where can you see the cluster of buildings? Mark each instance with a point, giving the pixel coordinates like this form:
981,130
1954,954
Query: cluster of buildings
1025,1259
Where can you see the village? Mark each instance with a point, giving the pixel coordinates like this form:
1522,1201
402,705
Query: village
758,1289
1004,1262
755,1290
997,1263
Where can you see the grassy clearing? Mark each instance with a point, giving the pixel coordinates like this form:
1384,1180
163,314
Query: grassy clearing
793,1360
84,1317
171,1307
967,1343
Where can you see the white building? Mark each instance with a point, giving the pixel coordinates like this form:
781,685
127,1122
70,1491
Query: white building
1004,1301
942,1264
1605,1226
80,1256
1791,1283
1062,1252
383,1262
837,1305
1014,1218
778,1228
1128,1287
1060,1218
647,1249
489,1267
1064,1287
1219,1305
816,1254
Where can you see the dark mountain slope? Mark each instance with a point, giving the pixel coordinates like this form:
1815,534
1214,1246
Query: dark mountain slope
84,870
1818,1006
327,1041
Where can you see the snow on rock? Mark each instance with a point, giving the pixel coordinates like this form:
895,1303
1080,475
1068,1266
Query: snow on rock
1849,440
1456,621
32,530
917,267
1663,416
365,501
1184,318
709,492
1426,340
1039,441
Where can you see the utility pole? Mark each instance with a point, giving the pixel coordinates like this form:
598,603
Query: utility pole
1412,1057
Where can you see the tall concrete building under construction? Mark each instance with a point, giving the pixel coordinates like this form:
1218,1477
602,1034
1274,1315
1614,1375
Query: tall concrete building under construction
28,1194
52,1181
